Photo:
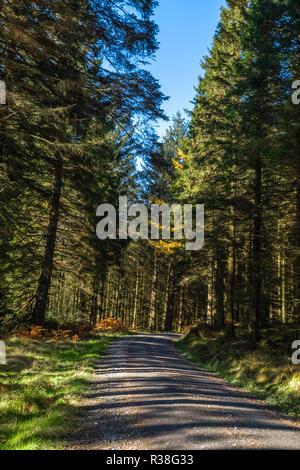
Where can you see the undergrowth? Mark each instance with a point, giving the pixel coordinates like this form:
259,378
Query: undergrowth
266,371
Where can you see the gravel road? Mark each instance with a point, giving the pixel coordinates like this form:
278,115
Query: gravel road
146,396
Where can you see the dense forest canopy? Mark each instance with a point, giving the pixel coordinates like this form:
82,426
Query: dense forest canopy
80,109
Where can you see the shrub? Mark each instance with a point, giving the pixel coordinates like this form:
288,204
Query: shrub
110,324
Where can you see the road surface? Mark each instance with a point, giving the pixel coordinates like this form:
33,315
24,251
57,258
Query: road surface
146,396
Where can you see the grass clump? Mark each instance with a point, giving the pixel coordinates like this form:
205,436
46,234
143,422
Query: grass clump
266,371
40,388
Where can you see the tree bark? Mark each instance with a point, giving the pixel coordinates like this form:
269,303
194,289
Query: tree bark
220,291
256,292
297,252
137,284
153,294
167,292
181,303
47,265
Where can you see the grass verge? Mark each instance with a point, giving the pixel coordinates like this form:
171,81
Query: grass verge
40,388
266,372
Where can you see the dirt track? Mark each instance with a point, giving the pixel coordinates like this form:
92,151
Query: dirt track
147,396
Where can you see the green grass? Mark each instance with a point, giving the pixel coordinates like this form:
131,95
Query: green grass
40,389
266,372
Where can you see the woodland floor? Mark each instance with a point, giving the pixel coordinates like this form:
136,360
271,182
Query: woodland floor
147,396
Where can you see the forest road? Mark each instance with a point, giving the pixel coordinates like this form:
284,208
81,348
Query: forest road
147,396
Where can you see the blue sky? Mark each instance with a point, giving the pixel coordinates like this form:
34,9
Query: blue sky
186,32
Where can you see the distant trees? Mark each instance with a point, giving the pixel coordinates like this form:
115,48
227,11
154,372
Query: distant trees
240,158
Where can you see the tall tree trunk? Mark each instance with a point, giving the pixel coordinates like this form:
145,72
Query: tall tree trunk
181,303
250,279
220,290
170,308
108,293
210,291
137,284
47,265
153,294
94,304
101,308
167,292
297,252
232,281
117,299
256,292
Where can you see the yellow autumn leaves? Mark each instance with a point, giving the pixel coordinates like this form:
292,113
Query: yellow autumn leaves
178,164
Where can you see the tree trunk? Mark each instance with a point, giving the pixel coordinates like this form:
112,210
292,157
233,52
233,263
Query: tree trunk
167,292
220,291
47,265
297,252
94,305
256,292
232,272
153,294
137,284
170,308
101,308
210,289
181,303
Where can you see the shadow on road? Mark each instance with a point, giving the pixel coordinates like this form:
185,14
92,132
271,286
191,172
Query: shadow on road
178,405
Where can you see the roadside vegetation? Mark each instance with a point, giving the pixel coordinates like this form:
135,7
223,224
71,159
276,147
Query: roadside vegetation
42,384
266,371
